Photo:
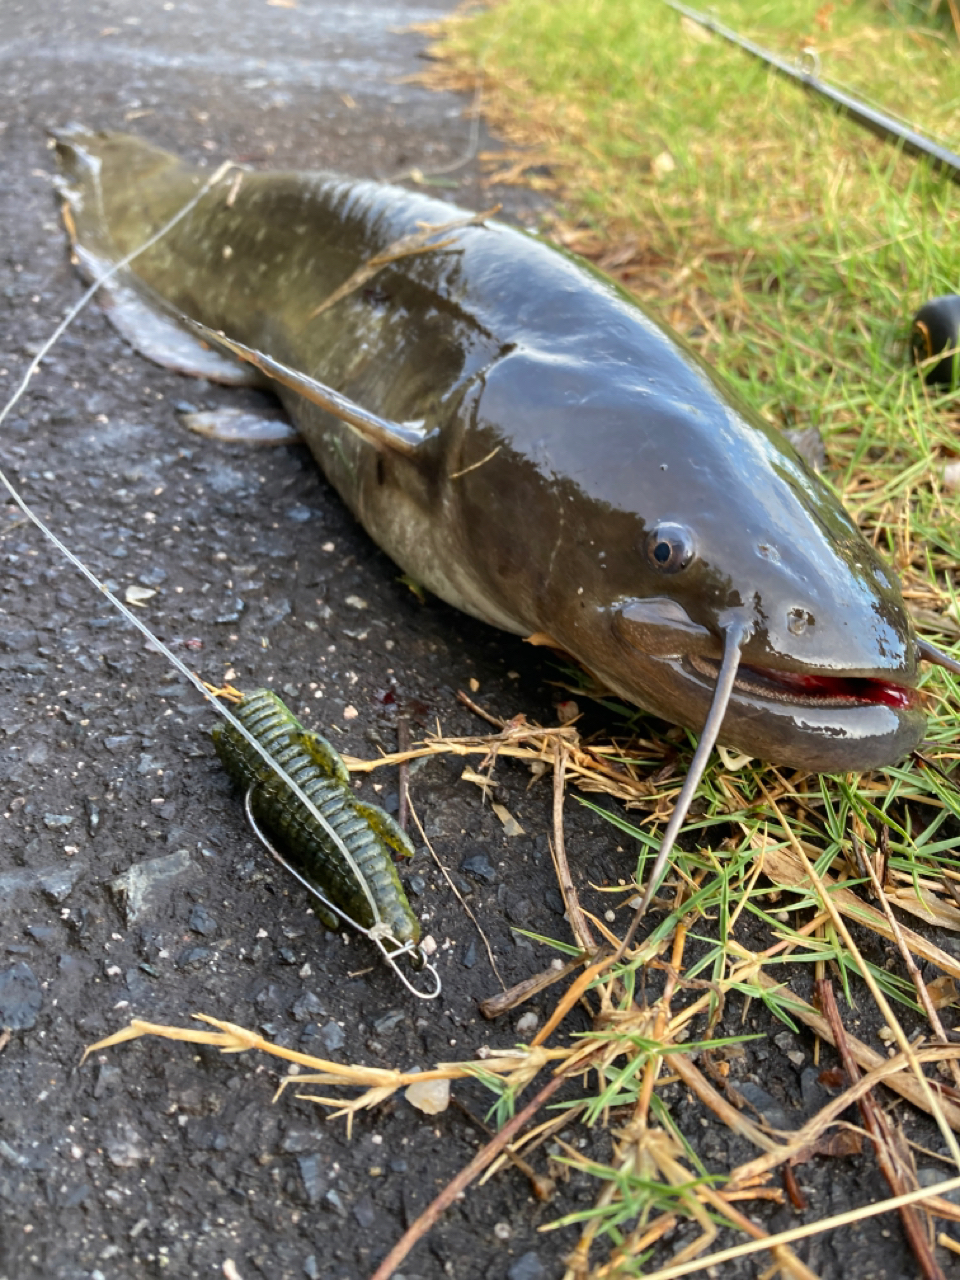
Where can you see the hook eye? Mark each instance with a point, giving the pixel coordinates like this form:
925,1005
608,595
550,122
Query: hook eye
378,935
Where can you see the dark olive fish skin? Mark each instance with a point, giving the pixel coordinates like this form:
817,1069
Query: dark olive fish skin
581,472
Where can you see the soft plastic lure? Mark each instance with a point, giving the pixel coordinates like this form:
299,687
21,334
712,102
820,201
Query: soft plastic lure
346,860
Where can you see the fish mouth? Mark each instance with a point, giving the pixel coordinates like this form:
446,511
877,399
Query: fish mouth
812,689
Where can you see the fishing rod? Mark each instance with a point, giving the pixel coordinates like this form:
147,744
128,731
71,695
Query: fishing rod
805,72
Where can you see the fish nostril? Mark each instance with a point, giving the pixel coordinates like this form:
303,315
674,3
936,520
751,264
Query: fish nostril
798,620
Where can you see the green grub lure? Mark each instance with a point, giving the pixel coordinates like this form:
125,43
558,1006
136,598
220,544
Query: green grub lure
346,859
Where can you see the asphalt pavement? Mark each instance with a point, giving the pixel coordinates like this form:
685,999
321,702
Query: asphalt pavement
129,884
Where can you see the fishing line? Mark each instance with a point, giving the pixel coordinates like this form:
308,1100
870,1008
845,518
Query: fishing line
878,121
379,935
92,578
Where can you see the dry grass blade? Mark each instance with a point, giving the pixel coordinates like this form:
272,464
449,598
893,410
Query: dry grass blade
457,894
895,1164
418,1229
517,1067
578,923
495,1006
422,241
919,985
675,1270
924,1086
786,867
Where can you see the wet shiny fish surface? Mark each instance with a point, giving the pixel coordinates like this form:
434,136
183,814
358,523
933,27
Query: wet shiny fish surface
575,469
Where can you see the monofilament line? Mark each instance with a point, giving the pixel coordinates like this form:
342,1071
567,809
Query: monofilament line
92,578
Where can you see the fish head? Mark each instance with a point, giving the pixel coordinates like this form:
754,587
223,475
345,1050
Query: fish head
683,516
829,667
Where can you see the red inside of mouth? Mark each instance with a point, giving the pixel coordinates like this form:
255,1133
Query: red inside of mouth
879,692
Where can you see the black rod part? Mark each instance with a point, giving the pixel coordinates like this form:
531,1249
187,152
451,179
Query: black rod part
878,122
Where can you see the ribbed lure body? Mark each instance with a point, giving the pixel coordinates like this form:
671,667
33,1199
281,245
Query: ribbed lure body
370,834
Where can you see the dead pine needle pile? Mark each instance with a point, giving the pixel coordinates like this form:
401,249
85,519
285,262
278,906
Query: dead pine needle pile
791,248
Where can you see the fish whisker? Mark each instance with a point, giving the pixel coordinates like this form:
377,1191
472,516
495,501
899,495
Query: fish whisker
930,653
735,636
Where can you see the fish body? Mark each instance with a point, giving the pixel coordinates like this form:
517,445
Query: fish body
575,470
371,893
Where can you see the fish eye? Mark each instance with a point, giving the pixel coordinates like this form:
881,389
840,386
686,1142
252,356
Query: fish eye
669,547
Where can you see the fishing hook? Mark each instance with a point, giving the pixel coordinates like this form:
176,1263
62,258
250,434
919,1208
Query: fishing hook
378,934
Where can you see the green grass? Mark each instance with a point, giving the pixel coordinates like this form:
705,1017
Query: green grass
791,247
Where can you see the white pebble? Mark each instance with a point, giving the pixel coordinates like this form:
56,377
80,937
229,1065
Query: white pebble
528,1023
430,1096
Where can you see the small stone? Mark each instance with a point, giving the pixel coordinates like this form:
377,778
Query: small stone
54,820
299,513
813,1093
308,1007
41,933
107,1078
310,1268
775,1114
479,866
350,713
417,886
125,1147
383,1026
298,1141
202,922
356,602
929,1176
527,1023
469,957
144,884
365,1213
230,610
20,997
335,1201
138,595
58,884
519,910
310,1173
429,1096
195,957
527,1267
332,1037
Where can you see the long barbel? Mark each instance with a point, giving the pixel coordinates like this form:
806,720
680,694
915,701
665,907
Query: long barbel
878,122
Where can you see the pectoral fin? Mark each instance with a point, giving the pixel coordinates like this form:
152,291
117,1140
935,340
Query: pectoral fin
150,330
396,437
